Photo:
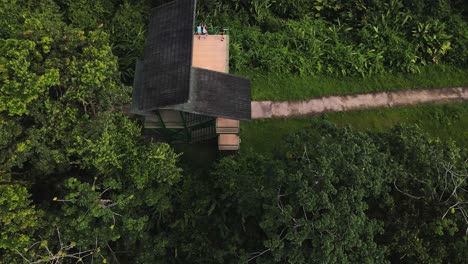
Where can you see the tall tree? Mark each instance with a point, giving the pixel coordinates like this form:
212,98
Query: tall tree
77,180
329,195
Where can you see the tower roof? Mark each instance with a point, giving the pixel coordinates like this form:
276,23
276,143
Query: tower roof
166,78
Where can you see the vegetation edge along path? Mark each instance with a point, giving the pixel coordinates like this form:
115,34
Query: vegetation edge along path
315,106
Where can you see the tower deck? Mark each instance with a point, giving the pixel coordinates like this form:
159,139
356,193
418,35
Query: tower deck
212,53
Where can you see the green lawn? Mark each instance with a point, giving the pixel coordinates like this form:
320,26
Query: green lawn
292,87
447,122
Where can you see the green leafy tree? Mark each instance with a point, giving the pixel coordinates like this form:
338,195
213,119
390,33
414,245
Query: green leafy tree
15,76
127,34
425,211
101,186
19,221
328,195
306,205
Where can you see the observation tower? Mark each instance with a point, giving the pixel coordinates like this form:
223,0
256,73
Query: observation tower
182,88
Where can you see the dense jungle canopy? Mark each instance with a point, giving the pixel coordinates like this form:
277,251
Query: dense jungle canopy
79,183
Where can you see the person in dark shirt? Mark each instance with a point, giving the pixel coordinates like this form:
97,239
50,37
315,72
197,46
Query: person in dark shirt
222,34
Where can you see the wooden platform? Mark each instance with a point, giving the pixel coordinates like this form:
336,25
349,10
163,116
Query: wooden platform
228,142
227,126
213,54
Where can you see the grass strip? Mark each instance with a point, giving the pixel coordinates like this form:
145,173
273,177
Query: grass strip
292,87
445,122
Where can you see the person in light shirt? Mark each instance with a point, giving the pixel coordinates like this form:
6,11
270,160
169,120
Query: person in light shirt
205,30
199,30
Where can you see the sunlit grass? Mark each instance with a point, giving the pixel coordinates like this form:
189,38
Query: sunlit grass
447,122
266,86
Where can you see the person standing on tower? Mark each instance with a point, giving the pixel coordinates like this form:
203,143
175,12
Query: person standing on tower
222,34
199,30
205,31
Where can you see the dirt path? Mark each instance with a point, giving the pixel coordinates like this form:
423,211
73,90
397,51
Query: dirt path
278,109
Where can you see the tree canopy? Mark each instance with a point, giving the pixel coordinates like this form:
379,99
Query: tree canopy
79,183
332,195
77,178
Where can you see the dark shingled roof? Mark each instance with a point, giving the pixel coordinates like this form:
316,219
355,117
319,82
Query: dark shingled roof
137,94
218,94
168,54
166,78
